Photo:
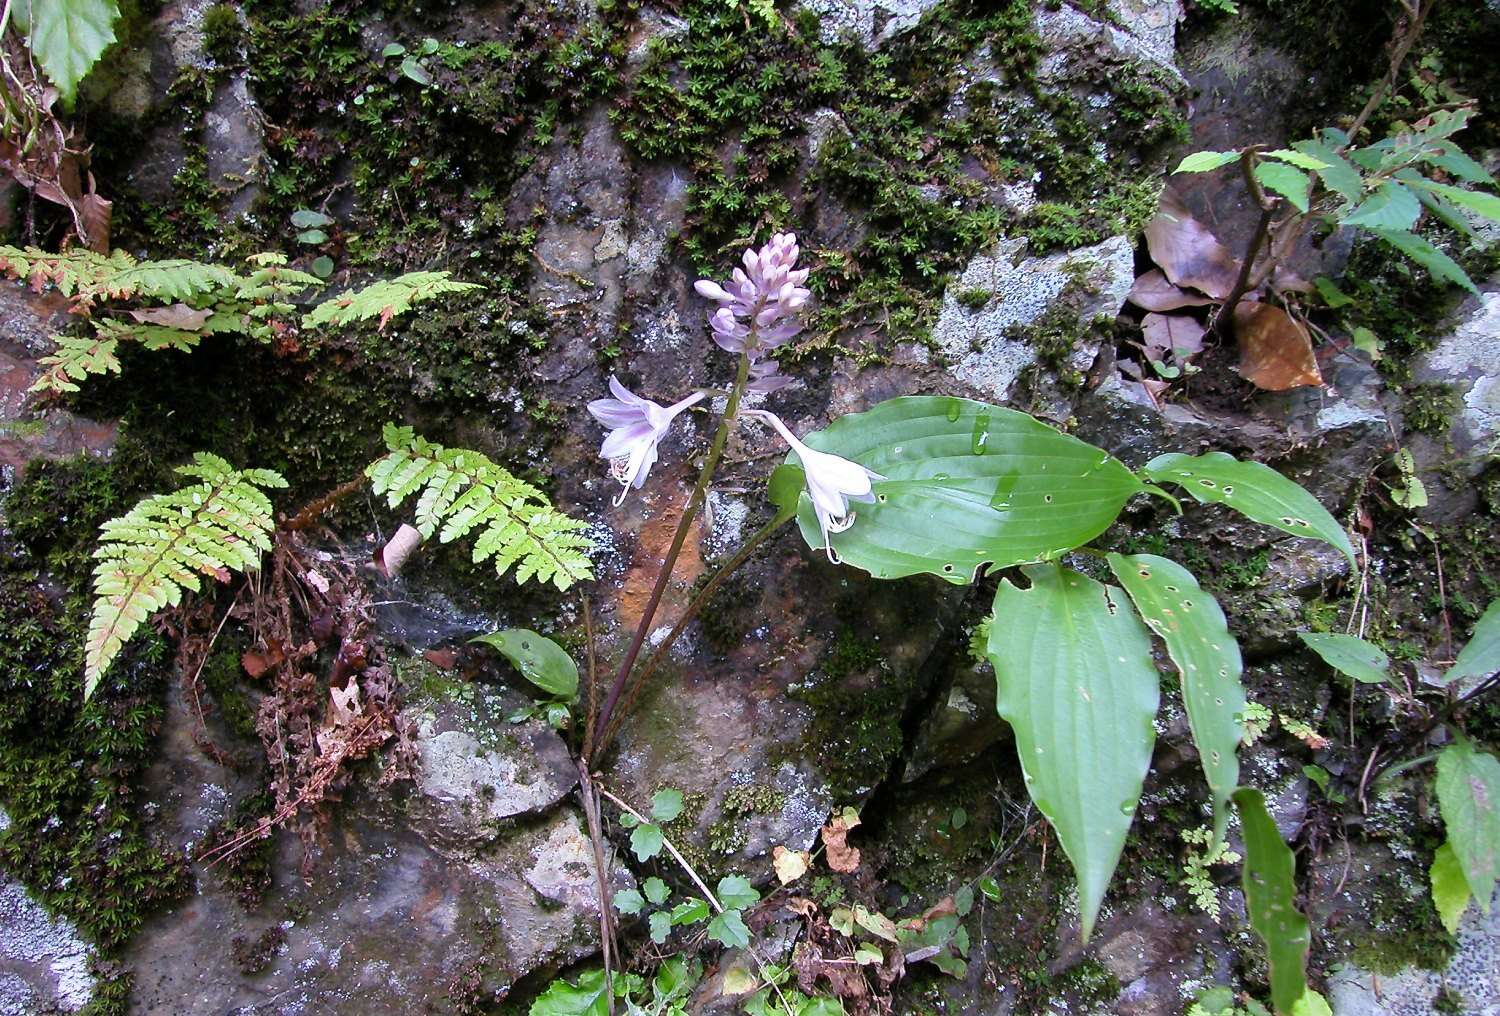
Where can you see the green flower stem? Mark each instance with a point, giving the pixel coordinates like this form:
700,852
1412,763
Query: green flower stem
689,513
691,611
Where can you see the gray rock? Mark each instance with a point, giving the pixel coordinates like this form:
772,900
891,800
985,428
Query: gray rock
1468,357
1142,30
44,963
962,724
871,22
988,356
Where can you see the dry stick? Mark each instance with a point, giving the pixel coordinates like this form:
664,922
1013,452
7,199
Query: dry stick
689,512
1225,316
1398,57
601,877
698,602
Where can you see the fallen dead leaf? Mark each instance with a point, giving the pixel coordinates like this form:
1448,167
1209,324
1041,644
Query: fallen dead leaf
1187,252
179,315
1173,338
790,865
257,661
840,856
1275,351
1152,291
393,555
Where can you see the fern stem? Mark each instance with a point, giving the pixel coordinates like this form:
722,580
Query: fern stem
689,513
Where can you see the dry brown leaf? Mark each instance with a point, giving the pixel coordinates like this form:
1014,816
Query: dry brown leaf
179,315
1275,351
790,865
1176,337
840,856
94,214
393,555
1152,291
1187,252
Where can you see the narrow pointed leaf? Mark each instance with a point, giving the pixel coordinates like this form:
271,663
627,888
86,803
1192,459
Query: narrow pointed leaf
1299,159
1192,625
1349,655
1202,162
967,484
1450,889
1270,897
1254,490
1481,657
1076,683
1429,257
1337,174
1485,204
540,660
1391,206
1468,790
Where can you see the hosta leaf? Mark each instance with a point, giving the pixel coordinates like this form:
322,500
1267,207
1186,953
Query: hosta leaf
967,483
1288,181
68,37
1270,896
1481,657
1349,655
1468,790
1202,162
1450,889
1075,681
1429,257
1192,625
540,660
1254,490
1391,206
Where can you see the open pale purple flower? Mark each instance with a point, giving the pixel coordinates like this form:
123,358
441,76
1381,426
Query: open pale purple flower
636,427
758,306
832,482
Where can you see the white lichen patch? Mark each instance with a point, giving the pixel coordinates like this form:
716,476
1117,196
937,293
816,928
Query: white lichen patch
1469,357
44,964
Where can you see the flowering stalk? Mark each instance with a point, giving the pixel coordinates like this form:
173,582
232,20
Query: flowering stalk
684,524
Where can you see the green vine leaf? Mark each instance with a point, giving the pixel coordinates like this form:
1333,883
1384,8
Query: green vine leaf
1192,625
588,996
967,484
1481,657
1349,655
167,543
1270,897
1254,490
463,492
540,660
1468,790
728,929
1077,685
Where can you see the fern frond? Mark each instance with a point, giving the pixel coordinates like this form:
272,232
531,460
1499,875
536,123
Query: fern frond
164,545
463,492
385,300
73,360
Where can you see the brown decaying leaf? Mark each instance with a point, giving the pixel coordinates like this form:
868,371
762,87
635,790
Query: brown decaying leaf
393,555
790,865
178,315
1152,291
1171,337
1275,351
1187,252
840,856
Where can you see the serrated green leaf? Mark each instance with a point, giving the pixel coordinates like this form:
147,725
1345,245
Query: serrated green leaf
68,37
306,218
735,892
1254,490
1391,206
629,901
1331,294
540,660
1337,174
689,911
1429,257
1077,685
1288,181
1203,162
728,929
584,997
1468,790
1450,889
1452,159
1270,897
1301,160
1487,205
666,805
1207,656
656,890
646,841
661,926
1349,655
967,484
1481,657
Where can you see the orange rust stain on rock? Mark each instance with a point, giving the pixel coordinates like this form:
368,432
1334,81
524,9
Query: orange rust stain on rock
655,537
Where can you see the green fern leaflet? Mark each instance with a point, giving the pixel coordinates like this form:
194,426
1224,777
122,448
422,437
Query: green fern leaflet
464,492
166,543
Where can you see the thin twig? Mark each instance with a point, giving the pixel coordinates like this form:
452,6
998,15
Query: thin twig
692,873
1398,57
601,878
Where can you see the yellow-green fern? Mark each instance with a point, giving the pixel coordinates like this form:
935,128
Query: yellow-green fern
167,543
464,492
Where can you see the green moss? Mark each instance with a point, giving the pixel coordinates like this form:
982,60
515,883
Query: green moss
222,33
1431,407
741,803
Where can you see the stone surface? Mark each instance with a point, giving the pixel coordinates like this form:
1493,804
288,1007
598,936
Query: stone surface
982,341
1468,357
44,964
871,22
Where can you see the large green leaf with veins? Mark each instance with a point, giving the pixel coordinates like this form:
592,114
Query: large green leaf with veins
1254,490
1270,897
1481,657
967,484
1075,680
1192,625
1468,791
68,37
